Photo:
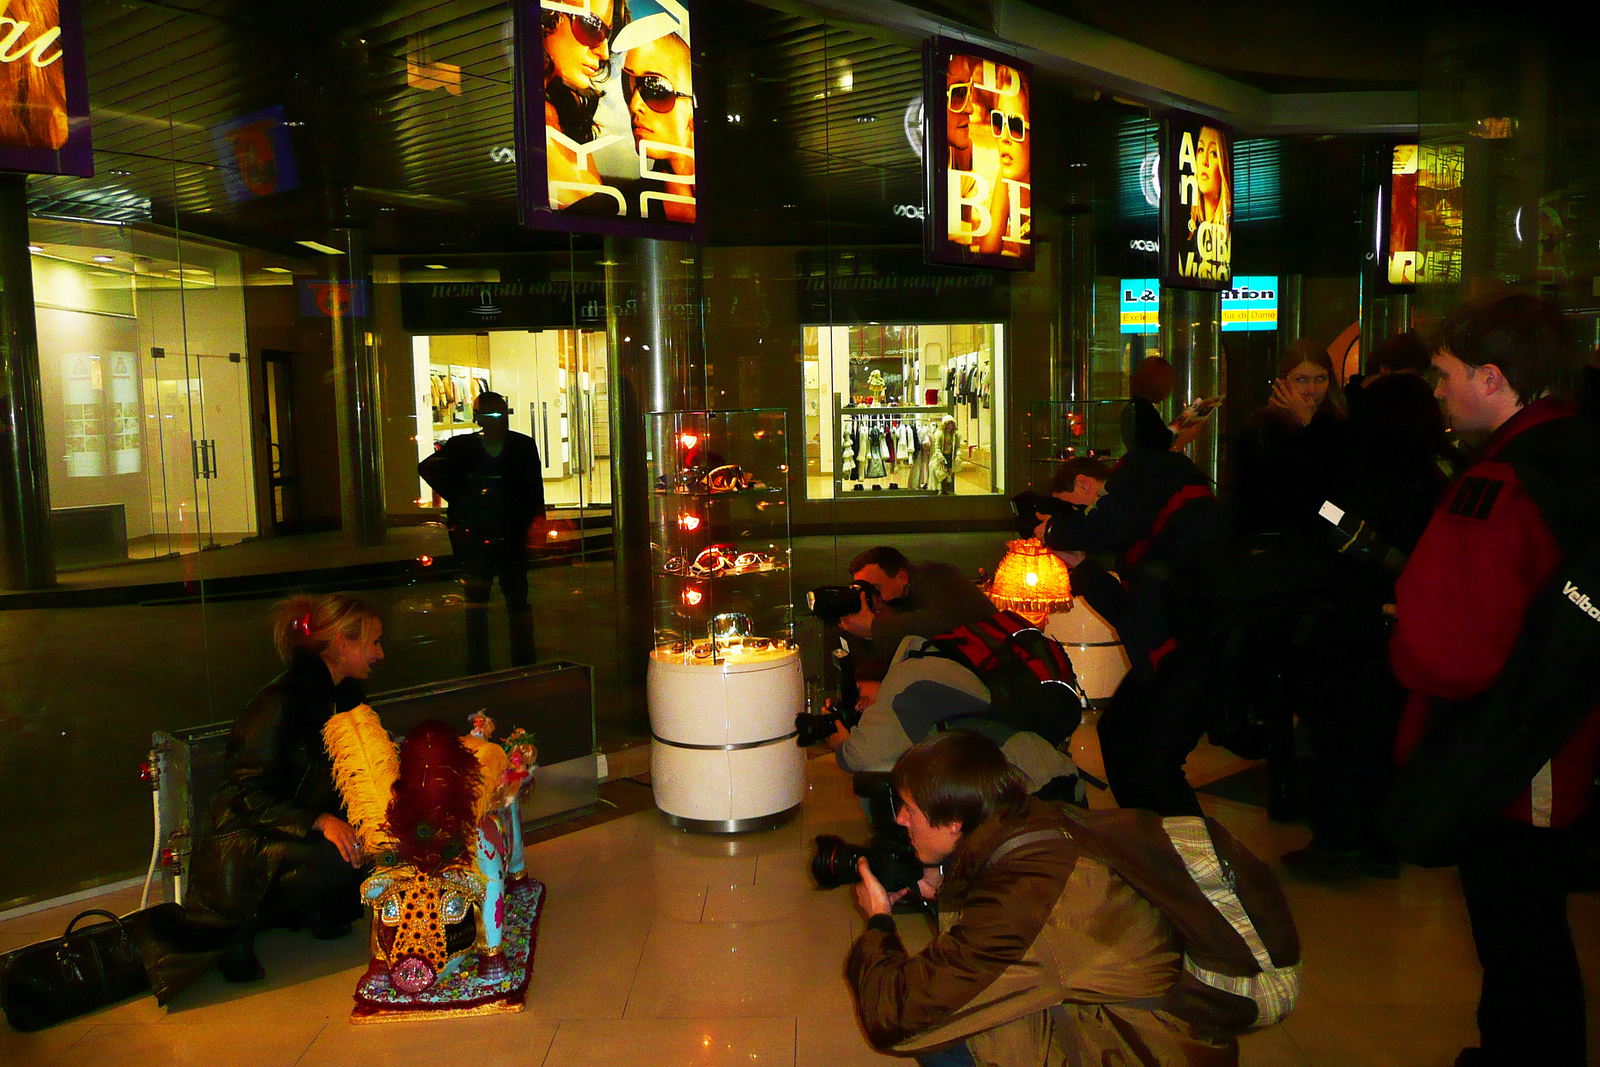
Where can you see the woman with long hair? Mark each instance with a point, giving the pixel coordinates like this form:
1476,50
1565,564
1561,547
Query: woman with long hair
1290,454
658,89
577,62
281,851
1215,202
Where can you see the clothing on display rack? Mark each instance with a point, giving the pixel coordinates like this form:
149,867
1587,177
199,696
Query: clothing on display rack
875,447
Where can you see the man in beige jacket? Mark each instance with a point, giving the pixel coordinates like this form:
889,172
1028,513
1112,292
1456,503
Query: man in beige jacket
1043,951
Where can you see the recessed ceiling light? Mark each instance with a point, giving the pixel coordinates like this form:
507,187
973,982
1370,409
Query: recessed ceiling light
317,246
277,270
436,266
36,248
102,259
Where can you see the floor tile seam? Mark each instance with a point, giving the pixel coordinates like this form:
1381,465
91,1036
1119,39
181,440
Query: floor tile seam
314,1039
61,1053
550,1048
638,964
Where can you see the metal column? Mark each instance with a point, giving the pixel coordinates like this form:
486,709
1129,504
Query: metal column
657,364
355,392
27,559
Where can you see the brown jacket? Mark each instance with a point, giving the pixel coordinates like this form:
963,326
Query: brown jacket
1045,924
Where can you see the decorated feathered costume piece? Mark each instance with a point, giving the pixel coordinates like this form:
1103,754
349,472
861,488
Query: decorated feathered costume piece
438,816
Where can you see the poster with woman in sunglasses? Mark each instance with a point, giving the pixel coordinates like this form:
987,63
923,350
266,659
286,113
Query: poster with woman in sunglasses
980,172
606,118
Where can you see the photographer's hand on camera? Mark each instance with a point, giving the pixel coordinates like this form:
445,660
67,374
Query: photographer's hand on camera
840,735
871,897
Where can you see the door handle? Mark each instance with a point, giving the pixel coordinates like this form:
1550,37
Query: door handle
194,457
214,471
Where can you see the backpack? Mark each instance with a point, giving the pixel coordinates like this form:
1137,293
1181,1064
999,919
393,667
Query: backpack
1241,951
1030,680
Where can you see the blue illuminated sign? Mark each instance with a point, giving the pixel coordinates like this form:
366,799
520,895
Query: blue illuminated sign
1252,304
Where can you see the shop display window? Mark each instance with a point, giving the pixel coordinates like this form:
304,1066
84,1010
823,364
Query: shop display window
720,536
904,409
556,384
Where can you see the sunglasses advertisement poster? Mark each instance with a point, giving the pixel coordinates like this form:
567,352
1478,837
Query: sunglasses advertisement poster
978,157
606,117
44,89
1197,202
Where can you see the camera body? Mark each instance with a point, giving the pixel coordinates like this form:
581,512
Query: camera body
844,710
830,603
1028,506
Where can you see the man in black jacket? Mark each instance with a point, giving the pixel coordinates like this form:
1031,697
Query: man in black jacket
1156,513
494,485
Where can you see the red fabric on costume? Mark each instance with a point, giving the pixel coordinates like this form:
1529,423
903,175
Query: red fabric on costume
1485,555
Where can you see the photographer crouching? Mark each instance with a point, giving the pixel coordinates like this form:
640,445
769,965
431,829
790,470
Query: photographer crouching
1045,954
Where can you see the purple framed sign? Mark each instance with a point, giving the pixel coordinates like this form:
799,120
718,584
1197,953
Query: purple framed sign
977,157
44,89
605,110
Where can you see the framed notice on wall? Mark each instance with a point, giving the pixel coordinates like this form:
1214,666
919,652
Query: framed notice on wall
977,157
44,90
606,104
1196,202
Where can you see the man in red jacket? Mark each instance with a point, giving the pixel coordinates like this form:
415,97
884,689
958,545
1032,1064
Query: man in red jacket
1486,553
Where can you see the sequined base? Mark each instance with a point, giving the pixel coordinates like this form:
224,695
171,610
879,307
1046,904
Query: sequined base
464,994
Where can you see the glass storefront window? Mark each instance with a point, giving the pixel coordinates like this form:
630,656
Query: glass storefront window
904,409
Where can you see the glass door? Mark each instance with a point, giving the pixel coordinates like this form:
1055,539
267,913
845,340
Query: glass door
226,482
179,516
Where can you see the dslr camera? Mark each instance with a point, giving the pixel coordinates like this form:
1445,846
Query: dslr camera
830,603
816,727
1028,506
888,853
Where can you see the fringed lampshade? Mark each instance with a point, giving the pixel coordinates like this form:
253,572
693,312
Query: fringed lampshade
1031,581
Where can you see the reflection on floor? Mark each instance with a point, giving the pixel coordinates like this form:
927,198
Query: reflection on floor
661,948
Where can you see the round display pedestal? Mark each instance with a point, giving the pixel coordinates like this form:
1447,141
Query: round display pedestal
723,757
1098,658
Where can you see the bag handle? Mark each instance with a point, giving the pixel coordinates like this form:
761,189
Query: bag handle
95,911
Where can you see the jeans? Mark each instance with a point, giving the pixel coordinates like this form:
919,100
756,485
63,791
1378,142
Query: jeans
956,1055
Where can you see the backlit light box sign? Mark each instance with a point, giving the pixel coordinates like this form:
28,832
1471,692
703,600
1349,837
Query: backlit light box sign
606,106
1252,304
44,89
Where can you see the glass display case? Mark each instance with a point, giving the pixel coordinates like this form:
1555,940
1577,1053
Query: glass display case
725,680
720,545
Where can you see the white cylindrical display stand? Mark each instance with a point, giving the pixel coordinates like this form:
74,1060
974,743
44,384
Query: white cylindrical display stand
723,757
1098,658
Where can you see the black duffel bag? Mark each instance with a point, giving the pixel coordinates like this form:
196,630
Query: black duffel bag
56,980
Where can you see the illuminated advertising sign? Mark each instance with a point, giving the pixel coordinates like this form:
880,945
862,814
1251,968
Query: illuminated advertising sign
1197,202
1252,304
605,117
978,157
1141,305
1398,217
44,89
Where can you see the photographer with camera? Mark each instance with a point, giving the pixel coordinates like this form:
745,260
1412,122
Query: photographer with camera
901,600
1156,513
1046,954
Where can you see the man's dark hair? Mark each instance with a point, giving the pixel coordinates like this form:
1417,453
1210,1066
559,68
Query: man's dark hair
960,777
890,560
1402,352
1065,479
488,400
1526,337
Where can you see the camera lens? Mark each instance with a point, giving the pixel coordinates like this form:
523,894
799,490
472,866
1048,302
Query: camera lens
834,864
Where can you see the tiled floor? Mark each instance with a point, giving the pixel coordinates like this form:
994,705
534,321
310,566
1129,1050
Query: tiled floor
661,948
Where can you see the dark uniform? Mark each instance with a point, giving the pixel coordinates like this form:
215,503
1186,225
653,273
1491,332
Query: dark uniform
1161,520
493,501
